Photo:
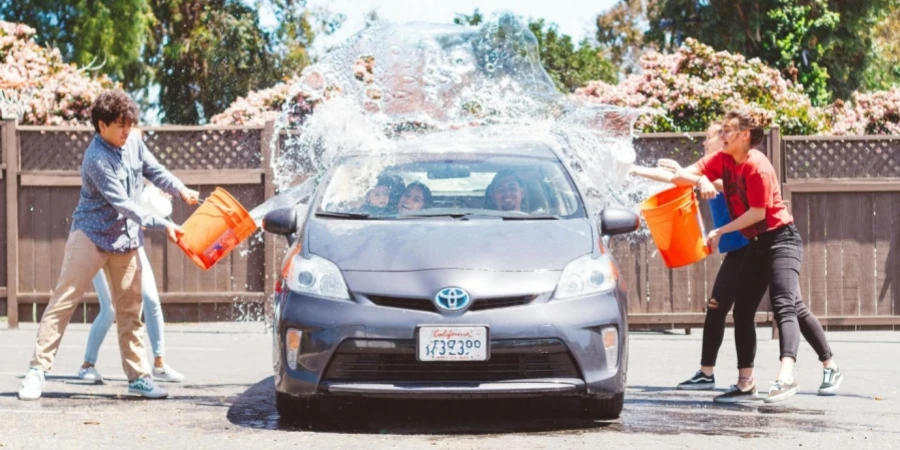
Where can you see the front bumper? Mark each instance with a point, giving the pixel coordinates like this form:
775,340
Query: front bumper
354,349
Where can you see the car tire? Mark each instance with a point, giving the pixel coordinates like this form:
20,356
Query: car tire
296,408
604,408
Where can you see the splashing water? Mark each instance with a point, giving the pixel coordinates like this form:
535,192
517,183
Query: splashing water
396,82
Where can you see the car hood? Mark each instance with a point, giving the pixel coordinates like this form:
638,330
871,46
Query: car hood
408,245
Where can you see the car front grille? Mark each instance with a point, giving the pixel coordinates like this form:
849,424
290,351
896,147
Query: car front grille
425,304
501,302
417,304
395,362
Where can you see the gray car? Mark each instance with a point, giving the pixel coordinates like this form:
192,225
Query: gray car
450,269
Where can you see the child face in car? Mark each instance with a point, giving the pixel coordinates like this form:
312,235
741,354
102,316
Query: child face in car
412,200
378,196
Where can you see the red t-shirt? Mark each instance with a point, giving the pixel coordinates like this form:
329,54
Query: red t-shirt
752,184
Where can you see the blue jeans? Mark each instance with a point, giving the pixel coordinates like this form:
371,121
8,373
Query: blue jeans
153,315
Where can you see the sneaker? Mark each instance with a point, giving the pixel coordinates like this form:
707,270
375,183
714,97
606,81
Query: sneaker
32,385
779,390
735,395
831,381
699,382
90,374
145,387
167,373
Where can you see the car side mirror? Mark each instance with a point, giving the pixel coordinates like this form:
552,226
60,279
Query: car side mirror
615,221
281,221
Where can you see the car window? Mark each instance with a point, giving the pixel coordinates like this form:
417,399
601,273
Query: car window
404,185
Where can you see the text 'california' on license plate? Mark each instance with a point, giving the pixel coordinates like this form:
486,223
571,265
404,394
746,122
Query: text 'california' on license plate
452,343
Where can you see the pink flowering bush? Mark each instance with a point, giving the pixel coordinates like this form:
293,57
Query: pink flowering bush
692,87
52,92
867,113
258,107
696,84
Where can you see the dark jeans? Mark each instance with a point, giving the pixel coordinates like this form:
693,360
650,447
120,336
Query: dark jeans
746,265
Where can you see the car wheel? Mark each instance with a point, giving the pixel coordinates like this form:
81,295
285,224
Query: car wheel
604,408
296,408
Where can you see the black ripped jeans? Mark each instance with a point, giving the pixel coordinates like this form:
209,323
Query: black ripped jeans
749,271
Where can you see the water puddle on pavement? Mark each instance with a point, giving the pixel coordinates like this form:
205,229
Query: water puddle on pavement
658,414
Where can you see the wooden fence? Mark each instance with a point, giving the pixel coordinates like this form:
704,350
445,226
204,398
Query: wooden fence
844,193
40,161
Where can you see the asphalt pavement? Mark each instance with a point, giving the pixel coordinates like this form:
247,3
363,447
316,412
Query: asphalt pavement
227,402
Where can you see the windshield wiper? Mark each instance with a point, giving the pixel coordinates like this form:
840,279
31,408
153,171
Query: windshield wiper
481,214
531,218
457,215
345,215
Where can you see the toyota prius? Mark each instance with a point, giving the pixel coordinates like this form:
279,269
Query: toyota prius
450,269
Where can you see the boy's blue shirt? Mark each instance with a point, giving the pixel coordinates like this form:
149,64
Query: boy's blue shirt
109,210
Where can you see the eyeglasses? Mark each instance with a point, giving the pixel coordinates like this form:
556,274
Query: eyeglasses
727,131
509,187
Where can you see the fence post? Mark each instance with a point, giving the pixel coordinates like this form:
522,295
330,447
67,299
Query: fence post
11,154
777,157
268,147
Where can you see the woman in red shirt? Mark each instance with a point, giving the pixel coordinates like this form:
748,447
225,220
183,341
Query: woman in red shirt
773,257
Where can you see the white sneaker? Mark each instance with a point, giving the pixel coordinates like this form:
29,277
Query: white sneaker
90,374
147,388
167,373
32,385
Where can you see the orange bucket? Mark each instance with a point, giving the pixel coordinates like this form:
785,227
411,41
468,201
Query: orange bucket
218,226
673,217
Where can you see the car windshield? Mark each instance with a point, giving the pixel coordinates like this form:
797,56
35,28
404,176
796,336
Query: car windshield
412,186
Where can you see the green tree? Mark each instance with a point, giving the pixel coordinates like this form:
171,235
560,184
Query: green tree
207,54
570,66
823,44
789,35
297,28
109,34
883,71
202,54
851,44
210,52
620,32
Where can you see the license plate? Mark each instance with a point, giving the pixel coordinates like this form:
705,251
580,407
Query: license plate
452,343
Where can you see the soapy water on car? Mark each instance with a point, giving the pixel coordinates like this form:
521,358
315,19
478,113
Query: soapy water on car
393,83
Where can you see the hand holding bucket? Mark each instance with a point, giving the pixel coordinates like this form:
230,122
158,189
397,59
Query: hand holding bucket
712,240
190,196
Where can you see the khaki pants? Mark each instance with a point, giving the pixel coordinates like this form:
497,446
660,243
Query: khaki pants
80,264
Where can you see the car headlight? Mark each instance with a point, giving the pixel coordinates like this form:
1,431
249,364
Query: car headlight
317,276
585,276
